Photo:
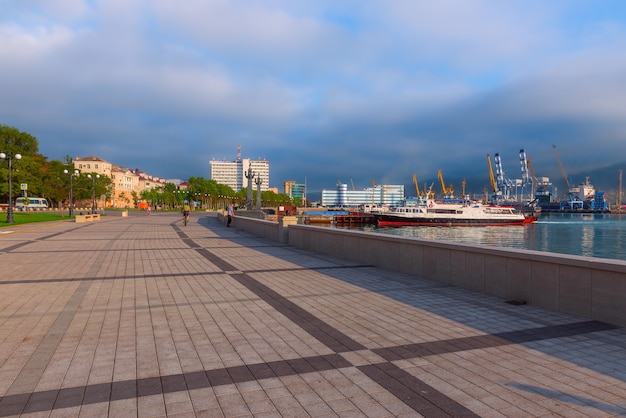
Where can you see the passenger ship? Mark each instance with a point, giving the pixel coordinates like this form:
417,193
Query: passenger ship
460,213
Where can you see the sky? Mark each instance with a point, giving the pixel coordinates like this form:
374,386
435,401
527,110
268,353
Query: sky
354,91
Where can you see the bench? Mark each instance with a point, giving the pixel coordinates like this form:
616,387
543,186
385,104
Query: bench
88,218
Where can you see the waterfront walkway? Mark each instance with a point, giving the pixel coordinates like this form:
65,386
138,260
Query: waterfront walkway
142,316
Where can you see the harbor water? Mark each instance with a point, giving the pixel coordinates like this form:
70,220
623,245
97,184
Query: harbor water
590,235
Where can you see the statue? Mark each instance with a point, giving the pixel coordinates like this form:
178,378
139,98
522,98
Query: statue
258,183
249,175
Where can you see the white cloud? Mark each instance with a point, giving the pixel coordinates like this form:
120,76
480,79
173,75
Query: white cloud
376,88
247,26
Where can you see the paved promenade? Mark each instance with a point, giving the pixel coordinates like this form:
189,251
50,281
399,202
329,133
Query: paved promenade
142,316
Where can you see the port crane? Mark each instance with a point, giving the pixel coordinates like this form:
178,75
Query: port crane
526,178
563,173
447,191
503,182
492,179
572,200
417,188
531,170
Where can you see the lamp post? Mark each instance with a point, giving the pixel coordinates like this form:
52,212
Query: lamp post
72,174
93,191
9,159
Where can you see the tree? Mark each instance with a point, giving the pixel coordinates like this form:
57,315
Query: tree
168,195
54,182
26,169
154,196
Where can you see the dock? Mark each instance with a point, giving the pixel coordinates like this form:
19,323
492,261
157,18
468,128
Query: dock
339,218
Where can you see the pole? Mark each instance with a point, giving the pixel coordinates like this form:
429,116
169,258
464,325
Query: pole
93,191
9,159
71,199
10,208
71,174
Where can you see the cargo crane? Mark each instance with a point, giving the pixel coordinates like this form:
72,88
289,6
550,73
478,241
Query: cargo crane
542,195
417,188
504,183
619,190
563,173
573,202
447,192
492,179
526,178
531,170
443,184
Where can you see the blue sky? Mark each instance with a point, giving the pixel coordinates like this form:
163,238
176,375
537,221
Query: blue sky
325,90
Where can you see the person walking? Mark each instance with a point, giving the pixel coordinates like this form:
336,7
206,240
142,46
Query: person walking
186,211
230,214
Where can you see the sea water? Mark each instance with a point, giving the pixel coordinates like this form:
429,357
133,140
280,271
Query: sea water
591,235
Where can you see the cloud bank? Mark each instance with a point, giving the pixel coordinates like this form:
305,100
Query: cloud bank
324,90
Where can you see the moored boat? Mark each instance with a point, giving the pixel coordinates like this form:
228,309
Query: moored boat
464,213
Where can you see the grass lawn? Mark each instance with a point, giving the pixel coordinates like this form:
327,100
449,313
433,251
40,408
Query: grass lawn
30,217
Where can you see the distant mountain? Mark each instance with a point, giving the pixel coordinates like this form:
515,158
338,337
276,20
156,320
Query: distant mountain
604,179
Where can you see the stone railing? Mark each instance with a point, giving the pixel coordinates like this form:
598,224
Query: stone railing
584,286
271,230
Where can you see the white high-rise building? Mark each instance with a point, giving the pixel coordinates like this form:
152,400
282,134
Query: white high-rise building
381,195
233,173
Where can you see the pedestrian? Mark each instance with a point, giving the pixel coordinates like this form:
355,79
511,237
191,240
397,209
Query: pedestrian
186,212
148,210
230,214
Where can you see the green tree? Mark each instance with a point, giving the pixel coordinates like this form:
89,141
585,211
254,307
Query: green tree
87,185
54,182
169,195
26,169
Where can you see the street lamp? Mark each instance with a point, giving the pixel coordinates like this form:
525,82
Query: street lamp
72,175
9,159
93,191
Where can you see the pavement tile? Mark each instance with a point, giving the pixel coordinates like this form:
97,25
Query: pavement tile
145,317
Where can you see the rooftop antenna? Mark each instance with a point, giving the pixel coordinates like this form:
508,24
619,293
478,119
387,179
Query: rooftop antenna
238,152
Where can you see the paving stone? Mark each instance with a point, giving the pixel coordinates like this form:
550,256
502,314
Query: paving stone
145,317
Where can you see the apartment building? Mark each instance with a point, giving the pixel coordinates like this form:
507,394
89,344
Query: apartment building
148,182
233,173
127,183
93,164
